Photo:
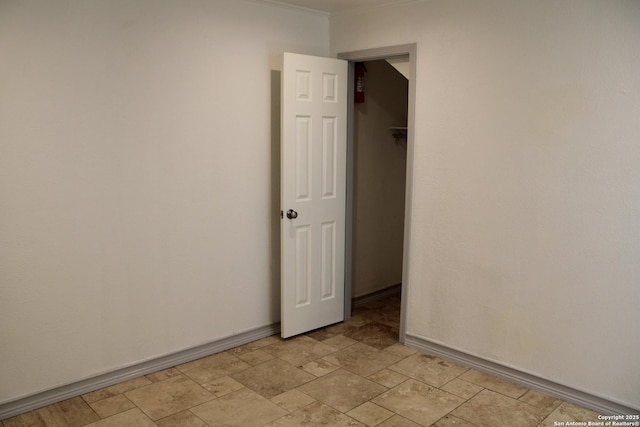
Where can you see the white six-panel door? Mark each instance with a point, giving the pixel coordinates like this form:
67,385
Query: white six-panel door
313,185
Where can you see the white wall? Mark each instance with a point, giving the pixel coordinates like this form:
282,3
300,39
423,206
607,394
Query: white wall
136,179
525,231
379,180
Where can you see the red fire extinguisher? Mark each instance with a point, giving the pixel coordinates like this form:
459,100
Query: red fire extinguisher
359,72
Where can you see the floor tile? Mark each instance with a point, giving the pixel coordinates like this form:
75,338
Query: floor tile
213,367
132,417
370,414
321,334
112,405
418,402
339,341
68,413
388,378
345,327
168,397
569,412
428,369
354,390
451,421
354,321
398,421
163,375
376,335
181,419
242,408
362,359
386,311
314,415
293,400
30,419
494,383
330,376
540,400
461,388
401,350
222,386
255,357
319,367
299,350
116,389
272,378
492,409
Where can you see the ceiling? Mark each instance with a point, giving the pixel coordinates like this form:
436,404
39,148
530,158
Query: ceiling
337,6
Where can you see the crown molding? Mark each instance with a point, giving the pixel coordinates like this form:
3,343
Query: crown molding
352,11
282,5
363,9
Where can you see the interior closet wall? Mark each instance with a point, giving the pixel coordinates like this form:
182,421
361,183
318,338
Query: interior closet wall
379,180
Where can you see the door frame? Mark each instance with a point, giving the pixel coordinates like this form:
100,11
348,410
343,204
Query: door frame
371,55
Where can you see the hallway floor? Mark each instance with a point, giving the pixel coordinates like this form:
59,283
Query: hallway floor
350,374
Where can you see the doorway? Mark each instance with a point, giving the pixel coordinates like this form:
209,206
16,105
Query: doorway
393,137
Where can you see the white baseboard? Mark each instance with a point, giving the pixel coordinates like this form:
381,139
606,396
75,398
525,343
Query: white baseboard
58,394
586,400
38,400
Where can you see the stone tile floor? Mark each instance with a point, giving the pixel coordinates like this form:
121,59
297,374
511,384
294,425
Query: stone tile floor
350,374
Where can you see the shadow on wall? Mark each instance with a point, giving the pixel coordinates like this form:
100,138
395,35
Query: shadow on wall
274,210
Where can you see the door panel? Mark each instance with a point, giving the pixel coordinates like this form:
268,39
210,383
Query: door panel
313,187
